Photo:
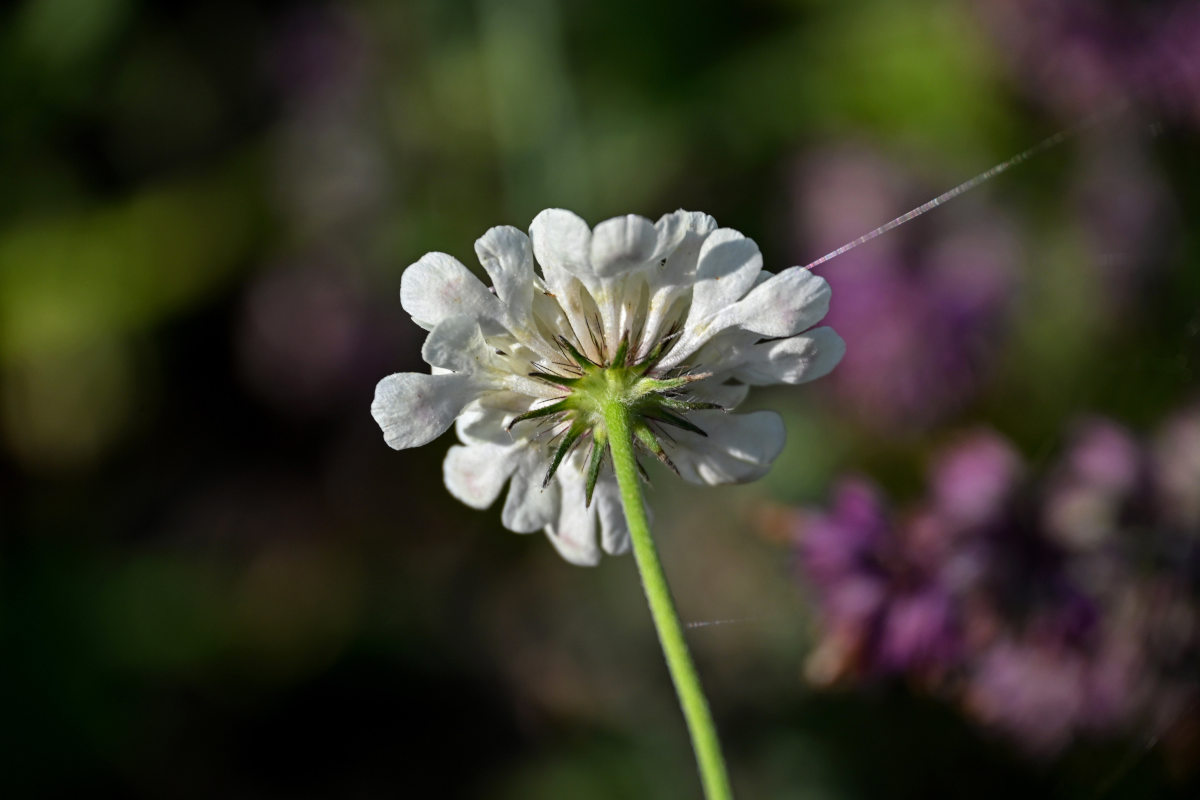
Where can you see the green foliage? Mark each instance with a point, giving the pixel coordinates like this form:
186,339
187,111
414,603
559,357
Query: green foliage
117,270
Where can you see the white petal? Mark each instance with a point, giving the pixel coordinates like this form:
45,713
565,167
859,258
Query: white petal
725,352
786,304
621,249
727,395
783,305
727,267
439,287
622,244
476,473
739,447
507,256
486,419
614,532
414,409
561,242
798,359
529,507
457,344
680,237
573,534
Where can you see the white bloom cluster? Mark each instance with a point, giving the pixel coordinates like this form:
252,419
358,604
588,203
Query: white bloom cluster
679,311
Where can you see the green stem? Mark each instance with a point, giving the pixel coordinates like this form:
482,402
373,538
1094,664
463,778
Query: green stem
662,608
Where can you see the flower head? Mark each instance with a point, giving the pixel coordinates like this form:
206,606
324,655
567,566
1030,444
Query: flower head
675,320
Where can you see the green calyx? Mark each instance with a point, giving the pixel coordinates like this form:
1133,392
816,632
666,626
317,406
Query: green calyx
589,389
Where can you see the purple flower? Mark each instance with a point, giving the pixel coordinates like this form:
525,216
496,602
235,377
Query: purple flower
920,318
1034,693
1101,470
1176,465
919,629
972,481
1106,456
844,541
880,595
1082,55
1045,686
1125,211
1049,611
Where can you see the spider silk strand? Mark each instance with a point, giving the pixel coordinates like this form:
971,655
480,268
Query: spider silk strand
971,183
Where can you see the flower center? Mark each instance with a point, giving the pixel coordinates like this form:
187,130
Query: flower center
652,403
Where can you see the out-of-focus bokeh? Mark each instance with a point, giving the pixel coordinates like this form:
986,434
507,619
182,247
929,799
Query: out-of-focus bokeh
974,570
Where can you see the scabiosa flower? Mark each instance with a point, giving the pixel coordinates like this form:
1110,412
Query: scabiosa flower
675,320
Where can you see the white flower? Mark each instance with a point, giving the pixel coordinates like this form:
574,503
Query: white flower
679,315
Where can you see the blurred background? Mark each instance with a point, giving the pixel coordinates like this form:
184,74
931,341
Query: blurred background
973,571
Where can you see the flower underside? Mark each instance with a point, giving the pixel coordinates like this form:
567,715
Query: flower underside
653,402
669,323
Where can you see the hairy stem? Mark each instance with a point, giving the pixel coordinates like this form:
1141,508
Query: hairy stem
662,608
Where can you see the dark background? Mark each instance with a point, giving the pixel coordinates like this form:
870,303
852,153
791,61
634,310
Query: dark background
216,579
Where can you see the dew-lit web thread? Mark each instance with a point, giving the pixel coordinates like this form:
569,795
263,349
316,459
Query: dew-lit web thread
711,622
968,185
